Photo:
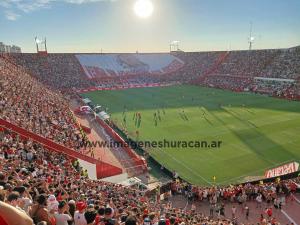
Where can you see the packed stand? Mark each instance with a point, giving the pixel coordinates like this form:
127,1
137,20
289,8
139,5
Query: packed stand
277,88
27,103
197,64
48,188
52,189
63,71
233,83
241,71
59,71
45,185
246,63
285,65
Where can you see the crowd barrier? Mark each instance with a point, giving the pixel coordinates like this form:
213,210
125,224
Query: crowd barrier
86,129
102,169
138,161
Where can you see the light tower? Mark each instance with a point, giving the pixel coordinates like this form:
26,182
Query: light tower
174,46
251,38
41,45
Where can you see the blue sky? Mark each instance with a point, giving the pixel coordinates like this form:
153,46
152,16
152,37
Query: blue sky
111,25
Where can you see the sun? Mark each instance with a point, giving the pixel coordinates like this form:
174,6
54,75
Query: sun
143,8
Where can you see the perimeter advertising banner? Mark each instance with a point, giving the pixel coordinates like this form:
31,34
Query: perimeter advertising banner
282,170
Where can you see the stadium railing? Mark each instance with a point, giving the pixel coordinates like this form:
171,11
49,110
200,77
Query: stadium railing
103,169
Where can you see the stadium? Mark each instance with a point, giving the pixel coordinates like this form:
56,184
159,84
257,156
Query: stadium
178,137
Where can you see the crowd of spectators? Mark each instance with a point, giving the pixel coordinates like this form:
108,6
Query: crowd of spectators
27,103
50,189
285,89
285,65
44,187
59,71
246,63
196,64
40,186
234,83
134,80
240,71
63,71
266,195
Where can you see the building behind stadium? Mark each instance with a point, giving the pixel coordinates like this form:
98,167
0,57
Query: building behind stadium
9,48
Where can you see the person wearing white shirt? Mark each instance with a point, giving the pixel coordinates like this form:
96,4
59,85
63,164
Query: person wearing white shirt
62,216
79,218
258,201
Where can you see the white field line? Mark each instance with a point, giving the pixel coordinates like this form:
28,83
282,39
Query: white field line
184,165
288,217
253,172
296,199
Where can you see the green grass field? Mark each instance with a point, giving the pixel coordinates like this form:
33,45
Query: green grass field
257,132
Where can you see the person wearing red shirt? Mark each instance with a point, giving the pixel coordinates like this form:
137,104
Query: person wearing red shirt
269,212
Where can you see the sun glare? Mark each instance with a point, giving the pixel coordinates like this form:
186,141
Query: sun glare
143,8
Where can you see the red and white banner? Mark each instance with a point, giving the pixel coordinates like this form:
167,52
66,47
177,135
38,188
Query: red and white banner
119,87
282,170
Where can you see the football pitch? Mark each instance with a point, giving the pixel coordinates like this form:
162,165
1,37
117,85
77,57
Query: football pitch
255,132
